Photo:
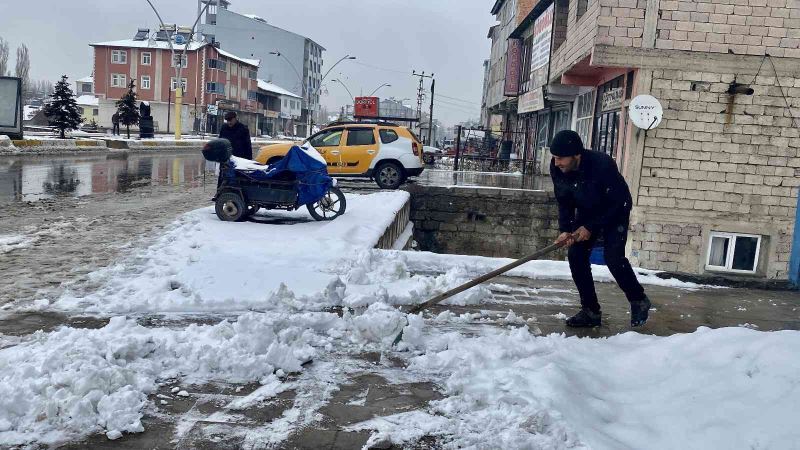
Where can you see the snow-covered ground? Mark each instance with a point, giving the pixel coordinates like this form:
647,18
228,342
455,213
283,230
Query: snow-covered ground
276,279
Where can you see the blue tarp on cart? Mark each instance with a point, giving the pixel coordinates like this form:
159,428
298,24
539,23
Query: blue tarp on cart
307,165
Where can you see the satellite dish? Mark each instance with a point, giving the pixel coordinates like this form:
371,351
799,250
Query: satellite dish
645,112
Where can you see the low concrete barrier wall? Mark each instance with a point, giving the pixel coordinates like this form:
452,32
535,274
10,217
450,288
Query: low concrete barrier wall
52,146
398,236
483,221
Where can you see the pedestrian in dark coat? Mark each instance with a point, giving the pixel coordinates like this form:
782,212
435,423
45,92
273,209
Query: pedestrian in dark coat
593,201
238,134
115,123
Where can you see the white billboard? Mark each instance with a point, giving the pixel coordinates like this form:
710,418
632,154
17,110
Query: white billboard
11,107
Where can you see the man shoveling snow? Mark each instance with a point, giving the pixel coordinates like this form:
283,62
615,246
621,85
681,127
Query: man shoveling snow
593,201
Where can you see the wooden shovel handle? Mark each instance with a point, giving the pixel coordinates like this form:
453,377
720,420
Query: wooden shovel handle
444,296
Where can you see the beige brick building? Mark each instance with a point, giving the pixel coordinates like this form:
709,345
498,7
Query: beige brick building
715,186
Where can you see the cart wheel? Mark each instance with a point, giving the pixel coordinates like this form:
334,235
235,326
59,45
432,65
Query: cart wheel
331,206
230,207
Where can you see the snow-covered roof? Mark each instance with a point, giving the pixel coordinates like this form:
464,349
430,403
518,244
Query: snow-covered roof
255,17
89,79
87,100
275,89
29,111
164,45
252,62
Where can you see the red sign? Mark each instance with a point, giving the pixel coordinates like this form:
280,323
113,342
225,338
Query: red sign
366,107
513,62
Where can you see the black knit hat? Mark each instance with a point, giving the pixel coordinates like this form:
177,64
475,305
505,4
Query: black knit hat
566,143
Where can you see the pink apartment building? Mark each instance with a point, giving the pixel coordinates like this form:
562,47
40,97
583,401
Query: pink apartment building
210,76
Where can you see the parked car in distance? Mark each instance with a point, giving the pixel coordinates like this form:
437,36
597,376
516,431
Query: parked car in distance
429,154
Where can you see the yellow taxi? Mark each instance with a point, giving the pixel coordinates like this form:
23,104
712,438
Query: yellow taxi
385,152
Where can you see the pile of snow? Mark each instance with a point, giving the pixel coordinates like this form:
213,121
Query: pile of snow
724,388
5,142
379,275
73,382
380,323
204,264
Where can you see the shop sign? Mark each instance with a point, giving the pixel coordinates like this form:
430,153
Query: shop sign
540,47
513,63
612,99
366,106
530,101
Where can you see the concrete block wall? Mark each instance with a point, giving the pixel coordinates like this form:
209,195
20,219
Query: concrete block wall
621,22
746,27
718,163
486,222
581,33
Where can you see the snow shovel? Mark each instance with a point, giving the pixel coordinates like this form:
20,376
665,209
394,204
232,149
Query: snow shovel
483,278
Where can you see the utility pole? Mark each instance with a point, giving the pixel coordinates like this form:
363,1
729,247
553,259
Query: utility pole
420,95
430,116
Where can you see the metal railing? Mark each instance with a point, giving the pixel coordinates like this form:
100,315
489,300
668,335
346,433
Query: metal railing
488,151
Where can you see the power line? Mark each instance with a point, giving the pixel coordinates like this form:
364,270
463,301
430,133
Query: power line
456,108
360,63
458,99
459,104
456,105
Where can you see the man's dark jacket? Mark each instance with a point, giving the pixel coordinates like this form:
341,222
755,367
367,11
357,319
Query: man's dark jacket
594,196
239,136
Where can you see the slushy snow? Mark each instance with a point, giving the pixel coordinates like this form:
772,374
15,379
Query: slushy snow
506,386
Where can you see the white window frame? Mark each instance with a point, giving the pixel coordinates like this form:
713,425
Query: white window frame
731,248
149,58
117,77
119,57
218,87
141,82
173,84
184,60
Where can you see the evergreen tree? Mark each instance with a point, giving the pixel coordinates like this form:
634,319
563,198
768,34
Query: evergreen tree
62,111
127,109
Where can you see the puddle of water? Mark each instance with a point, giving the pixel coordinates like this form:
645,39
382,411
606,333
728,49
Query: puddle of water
436,177
38,178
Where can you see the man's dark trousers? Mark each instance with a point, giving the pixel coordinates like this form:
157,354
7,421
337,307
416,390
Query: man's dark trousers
614,239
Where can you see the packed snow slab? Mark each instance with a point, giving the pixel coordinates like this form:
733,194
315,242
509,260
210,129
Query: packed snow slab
723,388
204,264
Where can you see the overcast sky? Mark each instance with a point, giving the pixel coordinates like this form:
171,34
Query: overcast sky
389,38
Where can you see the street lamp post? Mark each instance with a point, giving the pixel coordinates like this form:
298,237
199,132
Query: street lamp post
345,88
178,64
303,90
316,91
376,89
309,120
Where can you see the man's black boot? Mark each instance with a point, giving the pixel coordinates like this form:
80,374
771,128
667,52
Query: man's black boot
585,318
639,311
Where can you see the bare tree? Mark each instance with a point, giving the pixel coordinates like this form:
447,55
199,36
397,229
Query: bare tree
22,70
3,57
